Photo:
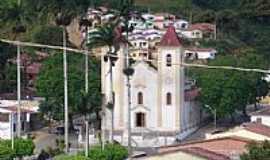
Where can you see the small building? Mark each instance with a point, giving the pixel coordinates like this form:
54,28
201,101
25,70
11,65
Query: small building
200,53
199,31
181,24
262,116
8,117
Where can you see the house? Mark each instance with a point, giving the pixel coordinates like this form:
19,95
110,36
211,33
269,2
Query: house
8,117
262,116
162,110
228,148
199,31
181,24
254,131
200,53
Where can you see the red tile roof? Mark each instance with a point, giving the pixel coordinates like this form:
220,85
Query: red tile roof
170,38
205,153
202,27
257,128
226,146
192,94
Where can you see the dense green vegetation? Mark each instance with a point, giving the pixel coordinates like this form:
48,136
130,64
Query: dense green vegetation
229,91
110,152
22,147
50,85
257,151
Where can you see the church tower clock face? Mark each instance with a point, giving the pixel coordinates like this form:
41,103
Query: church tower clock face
168,80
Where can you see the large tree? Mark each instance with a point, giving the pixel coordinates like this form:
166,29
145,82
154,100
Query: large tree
228,91
50,84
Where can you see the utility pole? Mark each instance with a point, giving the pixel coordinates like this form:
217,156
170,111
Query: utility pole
129,104
65,90
86,91
19,91
12,130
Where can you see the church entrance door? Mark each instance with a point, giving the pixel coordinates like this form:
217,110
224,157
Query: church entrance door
140,119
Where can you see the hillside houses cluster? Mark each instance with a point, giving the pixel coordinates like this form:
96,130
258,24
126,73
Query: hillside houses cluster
148,29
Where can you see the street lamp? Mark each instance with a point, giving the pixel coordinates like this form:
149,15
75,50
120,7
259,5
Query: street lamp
214,112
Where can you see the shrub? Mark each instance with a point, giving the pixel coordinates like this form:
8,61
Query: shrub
257,151
22,147
67,157
6,153
111,152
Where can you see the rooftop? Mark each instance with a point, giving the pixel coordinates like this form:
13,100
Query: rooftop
170,38
257,128
223,148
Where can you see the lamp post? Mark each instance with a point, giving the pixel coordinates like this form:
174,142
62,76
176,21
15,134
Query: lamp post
65,90
214,112
19,91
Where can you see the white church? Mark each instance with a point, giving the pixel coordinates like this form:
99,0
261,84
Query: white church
163,101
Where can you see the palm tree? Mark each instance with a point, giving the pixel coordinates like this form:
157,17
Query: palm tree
108,35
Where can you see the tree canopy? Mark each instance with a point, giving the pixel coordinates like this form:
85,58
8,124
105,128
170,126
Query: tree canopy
50,83
228,91
257,151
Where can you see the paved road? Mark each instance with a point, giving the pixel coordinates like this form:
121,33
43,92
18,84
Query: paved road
44,140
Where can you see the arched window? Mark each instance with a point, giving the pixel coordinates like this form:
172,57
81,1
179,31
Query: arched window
140,98
169,99
169,60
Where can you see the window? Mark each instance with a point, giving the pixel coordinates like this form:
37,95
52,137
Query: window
140,119
140,98
169,99
4,117
169,60
259,120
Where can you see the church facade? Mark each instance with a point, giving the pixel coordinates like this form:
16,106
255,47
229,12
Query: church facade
163,102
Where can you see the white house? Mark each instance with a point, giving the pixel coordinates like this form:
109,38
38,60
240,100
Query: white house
261,116
200,53
8,116
181,24
161,109
199,31
149,17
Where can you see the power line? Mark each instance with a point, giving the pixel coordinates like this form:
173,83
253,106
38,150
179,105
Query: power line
30,44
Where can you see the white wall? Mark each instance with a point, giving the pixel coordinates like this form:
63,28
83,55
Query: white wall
5,130
144,80
192,34
265,119
169,82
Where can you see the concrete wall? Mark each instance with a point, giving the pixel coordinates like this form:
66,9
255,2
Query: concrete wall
265,119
